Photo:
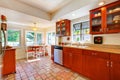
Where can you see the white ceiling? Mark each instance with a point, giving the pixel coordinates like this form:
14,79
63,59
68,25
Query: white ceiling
49,6
27,12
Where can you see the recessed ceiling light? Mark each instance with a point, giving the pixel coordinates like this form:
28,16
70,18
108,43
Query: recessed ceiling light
101,3
73,14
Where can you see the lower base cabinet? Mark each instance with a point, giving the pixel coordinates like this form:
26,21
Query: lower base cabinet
115,66
77,60
95,66
72,58
92,64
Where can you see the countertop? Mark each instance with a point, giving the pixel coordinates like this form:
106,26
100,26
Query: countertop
108,49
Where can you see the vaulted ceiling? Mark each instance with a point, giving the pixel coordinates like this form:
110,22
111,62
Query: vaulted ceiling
45,12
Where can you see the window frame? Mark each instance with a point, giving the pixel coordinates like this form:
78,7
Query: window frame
81,32
35,36
20,43
42,36
47,37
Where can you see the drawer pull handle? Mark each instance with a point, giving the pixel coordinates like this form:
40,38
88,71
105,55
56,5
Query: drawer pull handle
111,64
107,63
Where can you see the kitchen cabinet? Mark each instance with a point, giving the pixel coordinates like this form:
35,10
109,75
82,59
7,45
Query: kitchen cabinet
96,65
67,57
115,67
76,60
52,52
63,28
72,58
9,62
105,19
113,18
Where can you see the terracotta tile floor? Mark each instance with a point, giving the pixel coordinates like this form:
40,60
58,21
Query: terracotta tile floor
43,69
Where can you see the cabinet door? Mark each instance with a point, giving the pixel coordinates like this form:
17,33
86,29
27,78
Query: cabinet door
96,21
113,22
115,67
77,60
52,52
95,67
9,64
115,70
67,59
58,29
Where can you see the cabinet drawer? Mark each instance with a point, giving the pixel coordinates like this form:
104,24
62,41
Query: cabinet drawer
76,51
66,49
115,57
101,54
87,52
96,54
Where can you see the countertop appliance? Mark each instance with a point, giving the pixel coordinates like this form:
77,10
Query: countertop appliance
58,54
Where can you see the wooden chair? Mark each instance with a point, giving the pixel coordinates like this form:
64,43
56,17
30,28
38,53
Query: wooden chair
29,51
40,51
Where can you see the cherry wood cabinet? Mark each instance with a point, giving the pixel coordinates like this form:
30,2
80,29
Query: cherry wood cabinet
9,62
76,60
105,19
63,28
72,58
96,65
67,57
115,67
52,52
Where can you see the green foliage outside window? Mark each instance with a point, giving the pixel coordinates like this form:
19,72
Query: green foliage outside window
13,36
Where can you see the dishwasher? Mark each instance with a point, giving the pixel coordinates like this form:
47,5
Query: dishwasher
58,55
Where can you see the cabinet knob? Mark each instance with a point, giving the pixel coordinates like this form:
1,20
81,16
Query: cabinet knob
111,64
107,63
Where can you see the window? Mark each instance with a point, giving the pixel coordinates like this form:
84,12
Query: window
51,38
81,32
13,37
39,38
30,38
33,38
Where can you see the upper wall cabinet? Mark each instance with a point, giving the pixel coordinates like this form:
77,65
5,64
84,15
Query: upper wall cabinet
63,28
105,19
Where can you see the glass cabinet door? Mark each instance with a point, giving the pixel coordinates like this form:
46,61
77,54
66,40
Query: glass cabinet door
96,21
113,18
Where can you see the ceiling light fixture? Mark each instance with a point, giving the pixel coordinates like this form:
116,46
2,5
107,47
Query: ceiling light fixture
101,3
34,28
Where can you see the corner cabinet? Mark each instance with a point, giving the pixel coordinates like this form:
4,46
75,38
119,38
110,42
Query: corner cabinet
105,19
63,28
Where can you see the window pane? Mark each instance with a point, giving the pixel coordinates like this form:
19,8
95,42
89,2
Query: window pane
39,38
76,32
51,38
81,31
13,37
30,37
